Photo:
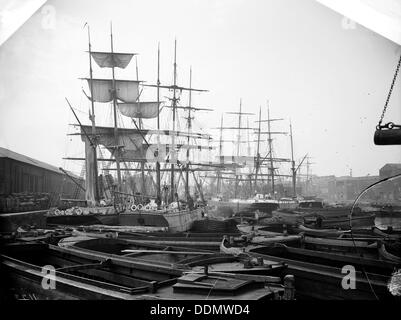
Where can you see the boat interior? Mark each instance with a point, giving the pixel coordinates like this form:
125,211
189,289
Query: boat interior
113,276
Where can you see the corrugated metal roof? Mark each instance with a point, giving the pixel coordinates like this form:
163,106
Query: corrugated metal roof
5,153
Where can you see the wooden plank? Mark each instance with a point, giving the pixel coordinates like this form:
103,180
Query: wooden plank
168,252
82,267
248,277
335,242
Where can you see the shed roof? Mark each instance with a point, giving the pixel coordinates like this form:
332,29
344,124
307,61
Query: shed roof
6,153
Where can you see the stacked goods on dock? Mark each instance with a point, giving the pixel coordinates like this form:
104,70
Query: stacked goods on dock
25,201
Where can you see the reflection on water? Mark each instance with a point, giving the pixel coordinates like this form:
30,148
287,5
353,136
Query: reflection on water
384,222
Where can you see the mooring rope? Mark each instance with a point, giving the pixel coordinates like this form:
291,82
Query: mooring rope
350,223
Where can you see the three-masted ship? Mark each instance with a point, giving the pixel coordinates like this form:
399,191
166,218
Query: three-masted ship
137,149
248,172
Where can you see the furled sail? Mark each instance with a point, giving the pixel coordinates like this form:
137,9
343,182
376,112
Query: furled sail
112,60
144,132
193,135
236,159
144,110
102,90
196,147
130,141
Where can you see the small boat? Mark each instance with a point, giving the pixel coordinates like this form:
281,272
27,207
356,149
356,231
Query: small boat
233,250
214,225
206,241
34,235
83,273
128,234
351,247
389,233
259,230
346,223
318,208
319,275
323,233
290,217
373,233
294,217
387,255
265,240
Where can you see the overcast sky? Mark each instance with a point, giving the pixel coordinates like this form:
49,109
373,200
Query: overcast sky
329,76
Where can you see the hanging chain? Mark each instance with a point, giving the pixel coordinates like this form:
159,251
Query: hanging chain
389,95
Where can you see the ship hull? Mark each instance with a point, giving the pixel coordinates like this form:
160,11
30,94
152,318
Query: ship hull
179,221
342,222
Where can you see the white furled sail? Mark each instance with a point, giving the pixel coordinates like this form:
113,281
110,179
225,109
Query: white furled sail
102,90
193,135
112,60
143,110
130,141
236,159
144,132
197,147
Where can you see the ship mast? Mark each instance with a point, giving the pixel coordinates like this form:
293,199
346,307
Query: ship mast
172,186
92,118
271,155
294,173
189,130
140,128
270,141
117,147
258,149
238,142
174,107
308,173
249,152
238,145
220,156
158,191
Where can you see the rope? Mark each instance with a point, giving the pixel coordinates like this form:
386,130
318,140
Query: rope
350,223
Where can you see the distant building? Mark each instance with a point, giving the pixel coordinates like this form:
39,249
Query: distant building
349,188
390,170
19,173
322,187
390,191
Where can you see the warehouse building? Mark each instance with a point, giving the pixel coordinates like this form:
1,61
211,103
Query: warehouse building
22,174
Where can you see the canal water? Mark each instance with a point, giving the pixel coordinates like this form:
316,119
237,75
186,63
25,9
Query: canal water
384,222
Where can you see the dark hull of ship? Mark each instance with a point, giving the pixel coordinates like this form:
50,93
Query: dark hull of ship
327,212
175,221
215,226
346,222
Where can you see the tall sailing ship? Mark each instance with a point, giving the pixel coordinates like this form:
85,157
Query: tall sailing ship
248,172
137,149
